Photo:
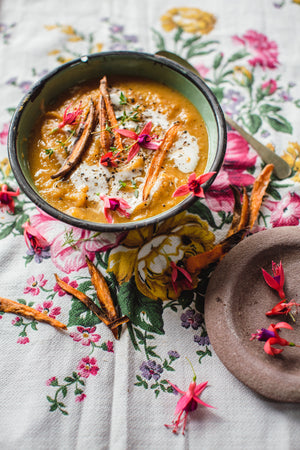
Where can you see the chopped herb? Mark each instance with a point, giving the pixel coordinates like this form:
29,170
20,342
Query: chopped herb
113,149
49,152
133,115
122,184
123,99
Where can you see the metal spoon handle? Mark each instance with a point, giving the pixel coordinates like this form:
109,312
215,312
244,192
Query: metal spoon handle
281,168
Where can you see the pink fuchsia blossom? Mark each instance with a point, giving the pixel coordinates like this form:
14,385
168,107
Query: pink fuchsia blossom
238,159
181,277
277,280
4,134
70,118
23,340
60,291
117,204
7,198
34,284
141,140
47,308
269,87
85,335
286,212
109,159
87,366
264,52
69,245
36,243
193,185
80,398
283,308
187,403
271,337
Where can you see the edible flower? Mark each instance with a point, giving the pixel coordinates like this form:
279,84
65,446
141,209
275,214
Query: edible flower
36,243
141,140
70,118
283,307
180,276
271,337
194,185
109,159
277,280
6,198
189,402
114,204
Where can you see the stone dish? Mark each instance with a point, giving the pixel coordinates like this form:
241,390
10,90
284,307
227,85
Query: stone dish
236,301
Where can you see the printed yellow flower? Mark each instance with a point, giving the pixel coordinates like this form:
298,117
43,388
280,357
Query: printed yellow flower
191,20
292,157
148,253
297,1
5,167
243,76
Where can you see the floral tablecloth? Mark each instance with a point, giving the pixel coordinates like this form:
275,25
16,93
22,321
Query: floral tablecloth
81,388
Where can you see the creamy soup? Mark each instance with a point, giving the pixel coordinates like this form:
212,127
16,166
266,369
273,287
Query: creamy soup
92,153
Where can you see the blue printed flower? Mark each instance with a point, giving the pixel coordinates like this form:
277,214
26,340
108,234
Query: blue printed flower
173,355
202,340
150,369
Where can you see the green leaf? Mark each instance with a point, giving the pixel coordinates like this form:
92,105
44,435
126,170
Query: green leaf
157,393
217,60
6,229
253,122
158,40
198,52
266,108
69,380
53,407
203,212
33,326
297,103
191,40
178,34
80,315
142,311
20,221
65,413
78,391
238,55
219,93
64,391
50,399
279,123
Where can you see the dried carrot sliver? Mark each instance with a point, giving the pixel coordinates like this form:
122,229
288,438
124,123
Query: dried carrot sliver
105,137
245,211
110,112
194,264
79,145
258,191
237,210
10,306
158,159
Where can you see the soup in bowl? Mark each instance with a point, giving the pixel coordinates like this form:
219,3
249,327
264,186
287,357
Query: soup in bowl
105,142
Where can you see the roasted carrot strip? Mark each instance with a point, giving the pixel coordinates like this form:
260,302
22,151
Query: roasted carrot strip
79,145
110,112
194,264
245,211
258,191
105,137
10,306
158,159
237,210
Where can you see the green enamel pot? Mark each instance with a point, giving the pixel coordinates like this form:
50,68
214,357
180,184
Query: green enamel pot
94,66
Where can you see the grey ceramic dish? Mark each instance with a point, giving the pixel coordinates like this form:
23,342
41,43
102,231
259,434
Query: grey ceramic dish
95,66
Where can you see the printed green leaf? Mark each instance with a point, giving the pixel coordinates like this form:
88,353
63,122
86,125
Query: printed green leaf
193,51
178,34
217,60
238,55
204,213
6,229
80,315
253,122
279,123
142,311
191,41
53,407
64,391
158,40
266,108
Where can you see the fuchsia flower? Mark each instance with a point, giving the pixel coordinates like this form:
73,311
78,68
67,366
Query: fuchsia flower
70,118
114,204
109,159
181,277
277,280
36,243
283,308
87,366
142,140
85,335
6,198
264,52
194,185
189,402
271,337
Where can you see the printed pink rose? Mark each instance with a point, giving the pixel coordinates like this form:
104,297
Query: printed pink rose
87,366
85,335
238,159
110,346
15,321
4,134
70,245
51,381
269,87
264,52
46,308
80,398
286,212
34,284
202,69
23,340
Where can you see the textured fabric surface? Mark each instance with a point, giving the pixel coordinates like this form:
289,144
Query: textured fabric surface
80,388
